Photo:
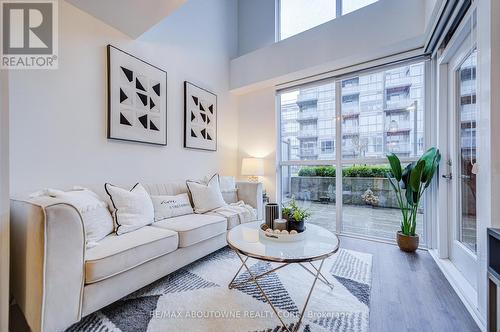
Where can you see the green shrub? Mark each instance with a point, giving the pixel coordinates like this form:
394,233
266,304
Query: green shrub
322,171
365,171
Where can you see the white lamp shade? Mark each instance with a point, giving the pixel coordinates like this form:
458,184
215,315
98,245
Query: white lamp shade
252,167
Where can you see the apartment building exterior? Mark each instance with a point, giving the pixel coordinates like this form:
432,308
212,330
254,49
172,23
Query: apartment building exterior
381,112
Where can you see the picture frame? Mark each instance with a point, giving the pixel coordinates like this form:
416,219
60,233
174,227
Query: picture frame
200,118
137,99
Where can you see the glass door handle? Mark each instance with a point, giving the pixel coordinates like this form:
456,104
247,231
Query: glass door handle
447,176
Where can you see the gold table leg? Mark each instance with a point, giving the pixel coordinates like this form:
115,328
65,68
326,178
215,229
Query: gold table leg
253,278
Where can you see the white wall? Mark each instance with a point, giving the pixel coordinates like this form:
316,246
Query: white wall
129,16
381,29
257,134
4,201
488,41
58,118
256,24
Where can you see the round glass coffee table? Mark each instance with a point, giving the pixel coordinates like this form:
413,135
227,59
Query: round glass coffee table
317,245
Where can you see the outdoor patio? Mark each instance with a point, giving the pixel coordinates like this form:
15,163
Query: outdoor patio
360,220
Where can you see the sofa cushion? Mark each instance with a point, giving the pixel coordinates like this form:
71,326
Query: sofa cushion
115,254
232,218
235,214
193,228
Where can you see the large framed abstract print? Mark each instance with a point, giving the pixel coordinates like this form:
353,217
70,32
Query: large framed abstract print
200,118
137,99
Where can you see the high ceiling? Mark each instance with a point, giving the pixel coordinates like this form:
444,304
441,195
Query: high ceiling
132,17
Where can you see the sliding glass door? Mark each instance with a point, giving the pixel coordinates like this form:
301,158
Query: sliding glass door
343,128
307,124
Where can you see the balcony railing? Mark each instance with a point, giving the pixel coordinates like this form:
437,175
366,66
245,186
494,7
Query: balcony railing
398,81
400,126
307,116
350,152
349,110
350,89
309,98
306,134
350,131
308,153
398,104
399,147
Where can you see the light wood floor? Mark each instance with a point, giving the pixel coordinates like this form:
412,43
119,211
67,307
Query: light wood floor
409,293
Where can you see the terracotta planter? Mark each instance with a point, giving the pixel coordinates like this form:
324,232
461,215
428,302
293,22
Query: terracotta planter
407,243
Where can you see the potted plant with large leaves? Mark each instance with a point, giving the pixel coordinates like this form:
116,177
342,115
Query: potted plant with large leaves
409,184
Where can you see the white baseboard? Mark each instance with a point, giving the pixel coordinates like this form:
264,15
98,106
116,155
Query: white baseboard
466,293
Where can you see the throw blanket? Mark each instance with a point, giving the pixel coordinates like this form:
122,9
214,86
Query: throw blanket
245,212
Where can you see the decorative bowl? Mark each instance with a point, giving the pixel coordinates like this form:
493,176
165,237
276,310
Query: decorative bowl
283,236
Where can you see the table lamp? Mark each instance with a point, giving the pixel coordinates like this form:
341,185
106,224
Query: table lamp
253,168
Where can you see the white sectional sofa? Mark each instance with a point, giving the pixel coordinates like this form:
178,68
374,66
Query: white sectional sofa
56,281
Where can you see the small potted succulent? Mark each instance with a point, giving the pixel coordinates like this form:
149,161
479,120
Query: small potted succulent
295,215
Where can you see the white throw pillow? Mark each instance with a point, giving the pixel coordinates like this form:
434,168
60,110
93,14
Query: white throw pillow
171,206
230,196
133,208
97,220
227,183
206,197
228,189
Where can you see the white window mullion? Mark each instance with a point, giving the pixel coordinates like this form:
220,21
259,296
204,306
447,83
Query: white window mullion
338,7
338,156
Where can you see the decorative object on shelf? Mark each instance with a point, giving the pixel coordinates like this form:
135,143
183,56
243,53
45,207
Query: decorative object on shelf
281,235
369,198
200,118
253,168
272,212
137,99
409,184
295,215
280,224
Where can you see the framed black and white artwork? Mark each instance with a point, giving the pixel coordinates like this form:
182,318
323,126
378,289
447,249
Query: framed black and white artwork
200,118
137,99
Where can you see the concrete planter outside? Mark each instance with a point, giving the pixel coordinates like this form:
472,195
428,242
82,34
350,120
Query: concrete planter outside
322,189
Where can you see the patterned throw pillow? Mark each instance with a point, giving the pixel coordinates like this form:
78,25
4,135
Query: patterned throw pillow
171,206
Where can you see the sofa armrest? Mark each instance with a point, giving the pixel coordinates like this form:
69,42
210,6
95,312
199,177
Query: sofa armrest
251,194
47,262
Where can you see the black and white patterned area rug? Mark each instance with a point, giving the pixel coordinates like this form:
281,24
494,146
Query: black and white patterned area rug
196,298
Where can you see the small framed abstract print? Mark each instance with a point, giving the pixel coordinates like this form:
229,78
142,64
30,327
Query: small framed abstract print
200,118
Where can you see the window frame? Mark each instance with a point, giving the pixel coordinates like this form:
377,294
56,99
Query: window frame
277,15
340,162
